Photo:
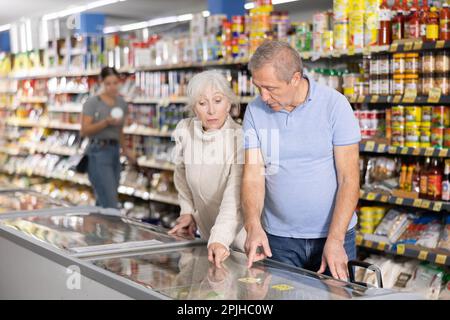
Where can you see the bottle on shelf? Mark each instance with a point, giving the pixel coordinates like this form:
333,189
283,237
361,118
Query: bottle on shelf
398,21
385,29
423,17
444,22
409,178
423,191
416,178
412,23
403,174
446,182
435,181
432,29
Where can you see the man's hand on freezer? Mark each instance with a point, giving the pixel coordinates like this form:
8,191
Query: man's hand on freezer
256,238
335,257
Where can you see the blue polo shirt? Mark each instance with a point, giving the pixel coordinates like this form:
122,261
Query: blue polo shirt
297,147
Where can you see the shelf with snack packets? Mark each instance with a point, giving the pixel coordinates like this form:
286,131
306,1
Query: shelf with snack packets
436,206
375,147
437,256
167,100
82,179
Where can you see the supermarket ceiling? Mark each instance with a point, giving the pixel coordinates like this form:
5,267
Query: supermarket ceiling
129,11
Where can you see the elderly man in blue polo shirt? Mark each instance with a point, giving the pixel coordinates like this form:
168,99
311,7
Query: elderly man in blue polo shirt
301,175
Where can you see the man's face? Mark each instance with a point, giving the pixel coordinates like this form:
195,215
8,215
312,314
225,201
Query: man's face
276,93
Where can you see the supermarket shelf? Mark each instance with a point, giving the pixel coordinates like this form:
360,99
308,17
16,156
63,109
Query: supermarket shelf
61,151
42,124
437,206
68,92
149,163
397,99
83,180
432,255
418,45
70,108
33,99
166,101
145,131
374,147
11,151
43,74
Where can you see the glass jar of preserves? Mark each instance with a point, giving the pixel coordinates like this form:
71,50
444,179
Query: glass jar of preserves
399,84
412,82
427,82
442,61
412,63
374,85
428,62
384,87
442,81
374,66
383,64
399,63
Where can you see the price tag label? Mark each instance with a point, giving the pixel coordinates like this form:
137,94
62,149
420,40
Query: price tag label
366,51
359,239
392,149
440,44
360,99
381,148
370,146
374,99
437,206
400,249
440,258
371,196
399,201
443,152
351,51
397,99
418,45
410,95
425,204
404,150
417,203
368,244
434,95
429,152
381,246
423,255
393,47
384,198
408,46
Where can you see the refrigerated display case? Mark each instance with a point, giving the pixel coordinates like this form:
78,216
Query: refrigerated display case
186,273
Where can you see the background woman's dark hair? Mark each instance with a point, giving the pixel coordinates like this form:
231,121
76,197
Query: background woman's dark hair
108,71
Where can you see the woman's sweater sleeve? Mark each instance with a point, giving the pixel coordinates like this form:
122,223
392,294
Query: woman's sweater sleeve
229,221
185,197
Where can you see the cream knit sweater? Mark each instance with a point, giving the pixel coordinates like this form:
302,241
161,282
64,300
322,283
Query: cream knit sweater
208,177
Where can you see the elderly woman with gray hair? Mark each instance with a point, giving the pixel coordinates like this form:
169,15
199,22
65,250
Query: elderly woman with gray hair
209,163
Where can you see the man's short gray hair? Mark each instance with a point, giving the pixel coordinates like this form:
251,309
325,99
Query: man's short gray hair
285,59
211,79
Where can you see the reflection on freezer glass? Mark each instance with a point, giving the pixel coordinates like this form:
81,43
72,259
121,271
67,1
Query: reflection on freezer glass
73,231
187,274
24,201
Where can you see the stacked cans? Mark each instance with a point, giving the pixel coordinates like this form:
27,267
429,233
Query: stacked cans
370,218
371,123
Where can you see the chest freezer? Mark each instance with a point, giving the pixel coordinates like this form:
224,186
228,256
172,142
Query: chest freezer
83,232
186,273
20,200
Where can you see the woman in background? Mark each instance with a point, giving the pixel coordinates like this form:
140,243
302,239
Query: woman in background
102,121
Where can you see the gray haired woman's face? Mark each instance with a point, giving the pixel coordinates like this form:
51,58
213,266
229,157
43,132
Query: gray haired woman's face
212,108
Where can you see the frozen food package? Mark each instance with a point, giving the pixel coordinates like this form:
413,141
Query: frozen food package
444,241
427,280
429,237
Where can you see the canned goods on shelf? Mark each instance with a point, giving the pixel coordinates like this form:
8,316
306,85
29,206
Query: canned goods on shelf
398,114
447,138
399,84
440,116
428,62
413,114
437,137
427,112
398,66
412,63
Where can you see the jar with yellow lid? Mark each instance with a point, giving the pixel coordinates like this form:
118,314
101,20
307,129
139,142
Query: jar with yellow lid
412,62
398,66
428,62
442,63
426,83
442,81
412,82
398,84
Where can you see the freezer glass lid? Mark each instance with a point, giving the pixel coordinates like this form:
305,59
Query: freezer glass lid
80,233
186,273
11,201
